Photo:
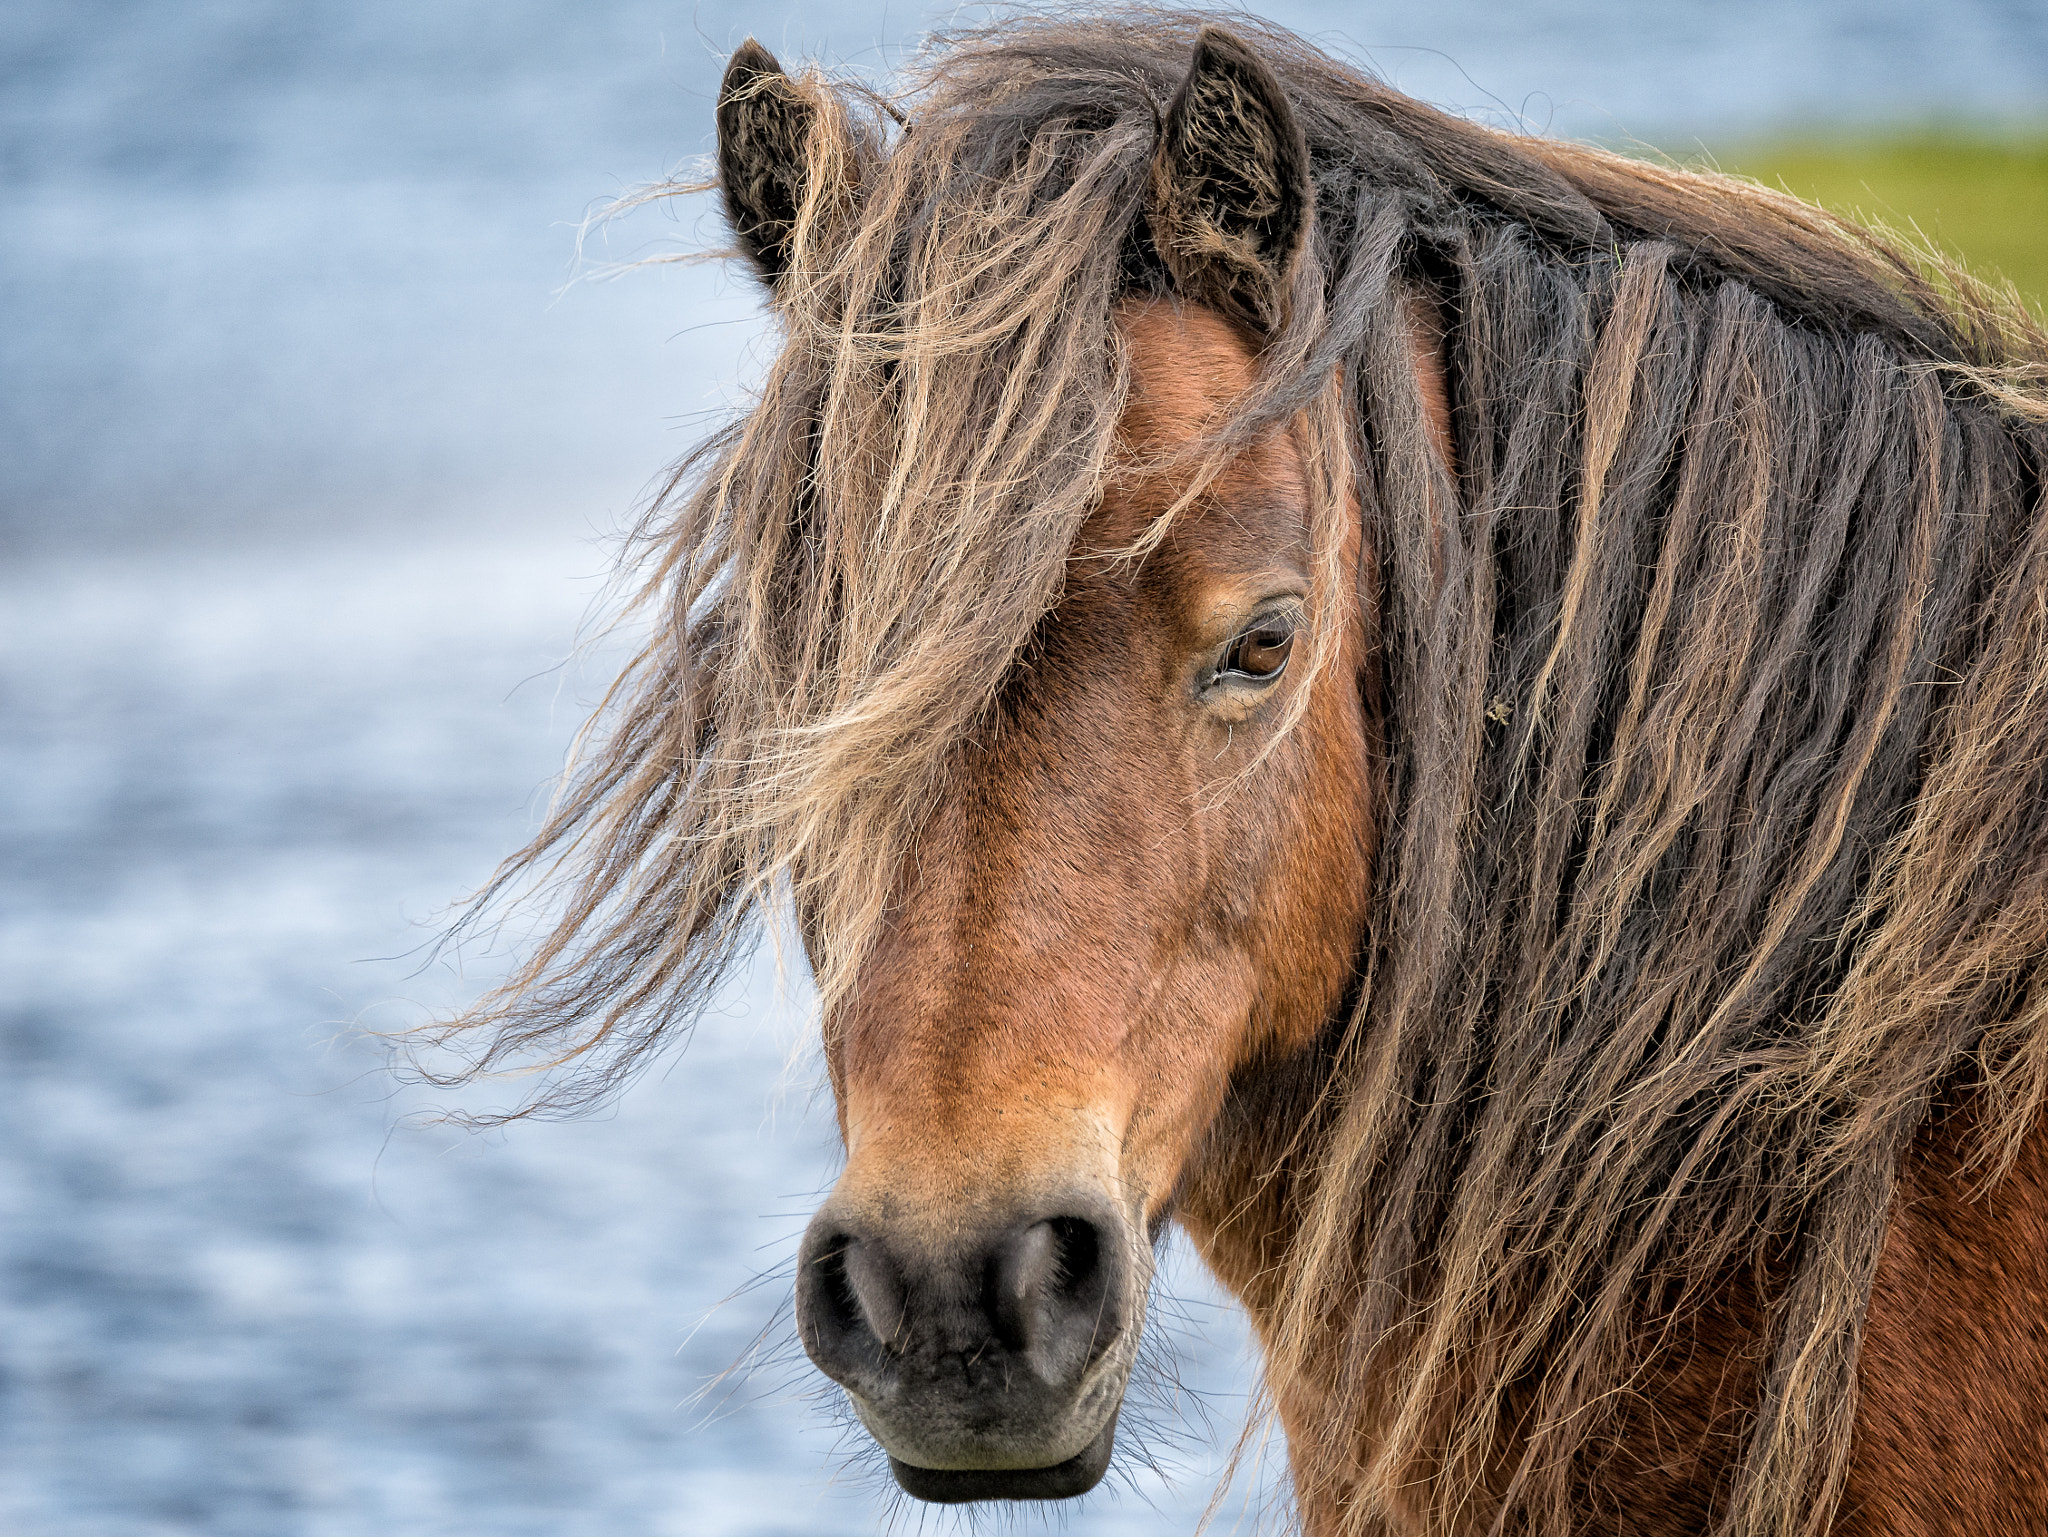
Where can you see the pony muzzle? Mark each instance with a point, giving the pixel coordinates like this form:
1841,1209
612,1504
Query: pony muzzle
989,1361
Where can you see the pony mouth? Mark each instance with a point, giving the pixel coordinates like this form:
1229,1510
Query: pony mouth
1062,1481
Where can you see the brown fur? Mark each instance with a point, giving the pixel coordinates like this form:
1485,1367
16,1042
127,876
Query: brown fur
1679,553
1101,1004
1950,1430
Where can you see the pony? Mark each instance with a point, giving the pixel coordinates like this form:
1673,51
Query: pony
1462,716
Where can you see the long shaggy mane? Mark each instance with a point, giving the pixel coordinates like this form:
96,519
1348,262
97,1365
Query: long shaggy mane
1716,836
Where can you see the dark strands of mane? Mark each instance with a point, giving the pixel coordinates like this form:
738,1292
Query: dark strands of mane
1716,840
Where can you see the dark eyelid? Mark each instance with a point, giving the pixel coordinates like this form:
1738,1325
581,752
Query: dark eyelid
1288,608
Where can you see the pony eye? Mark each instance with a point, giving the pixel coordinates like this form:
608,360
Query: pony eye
1260,652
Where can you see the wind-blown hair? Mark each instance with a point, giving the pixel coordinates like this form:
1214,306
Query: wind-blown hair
1716,831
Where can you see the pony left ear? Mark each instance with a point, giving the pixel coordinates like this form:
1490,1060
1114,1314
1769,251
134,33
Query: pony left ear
764,140
1230,184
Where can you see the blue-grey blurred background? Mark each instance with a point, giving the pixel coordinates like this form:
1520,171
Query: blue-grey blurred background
309,439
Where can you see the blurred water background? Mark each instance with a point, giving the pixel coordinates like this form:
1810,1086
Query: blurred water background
308,445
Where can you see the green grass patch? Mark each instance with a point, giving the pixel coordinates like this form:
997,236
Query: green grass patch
1980,196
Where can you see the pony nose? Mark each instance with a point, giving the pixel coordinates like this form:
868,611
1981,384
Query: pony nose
878,1312
988,1358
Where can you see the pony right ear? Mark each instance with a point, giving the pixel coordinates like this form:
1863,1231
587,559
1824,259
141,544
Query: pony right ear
764,140
1231,193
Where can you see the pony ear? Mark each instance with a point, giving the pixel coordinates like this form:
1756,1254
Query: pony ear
1230,183
764,135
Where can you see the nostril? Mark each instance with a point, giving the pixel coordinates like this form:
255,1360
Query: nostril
1049,1295
849,1305
833,1288
1080,1257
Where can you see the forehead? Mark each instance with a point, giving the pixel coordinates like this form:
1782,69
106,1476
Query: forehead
1189,366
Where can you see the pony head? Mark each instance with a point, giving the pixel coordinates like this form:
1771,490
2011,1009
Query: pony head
1144,868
